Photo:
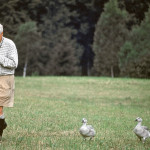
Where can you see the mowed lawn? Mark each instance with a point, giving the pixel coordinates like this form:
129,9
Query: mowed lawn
48,111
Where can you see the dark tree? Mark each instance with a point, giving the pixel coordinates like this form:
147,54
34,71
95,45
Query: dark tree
63,60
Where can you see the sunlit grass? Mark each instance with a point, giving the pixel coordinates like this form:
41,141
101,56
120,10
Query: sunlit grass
48,112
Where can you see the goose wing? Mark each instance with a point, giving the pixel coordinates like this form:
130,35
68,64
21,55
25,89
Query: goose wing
145,128
91,130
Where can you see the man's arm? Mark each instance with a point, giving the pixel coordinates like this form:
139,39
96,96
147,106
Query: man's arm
12,60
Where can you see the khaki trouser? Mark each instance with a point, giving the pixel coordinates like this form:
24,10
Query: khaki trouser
7,86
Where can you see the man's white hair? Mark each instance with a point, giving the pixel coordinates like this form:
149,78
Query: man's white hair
1,28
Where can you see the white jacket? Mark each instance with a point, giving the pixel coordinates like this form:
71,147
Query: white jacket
8,57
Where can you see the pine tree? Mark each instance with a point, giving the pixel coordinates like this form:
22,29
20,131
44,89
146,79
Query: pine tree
28,42
110,34
135,53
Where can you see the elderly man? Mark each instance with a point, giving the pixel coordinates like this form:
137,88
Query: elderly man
8,64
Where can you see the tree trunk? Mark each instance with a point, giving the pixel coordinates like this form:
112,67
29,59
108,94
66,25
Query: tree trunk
25,68
112,71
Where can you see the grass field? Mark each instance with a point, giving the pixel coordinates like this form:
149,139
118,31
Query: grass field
48,111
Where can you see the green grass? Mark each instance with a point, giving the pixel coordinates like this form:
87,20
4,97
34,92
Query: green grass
48,111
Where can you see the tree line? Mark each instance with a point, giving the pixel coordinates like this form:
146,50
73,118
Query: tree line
79,37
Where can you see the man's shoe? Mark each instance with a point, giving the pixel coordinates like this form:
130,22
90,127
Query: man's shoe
3,126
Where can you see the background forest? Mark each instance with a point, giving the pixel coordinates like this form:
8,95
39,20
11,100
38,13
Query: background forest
79,37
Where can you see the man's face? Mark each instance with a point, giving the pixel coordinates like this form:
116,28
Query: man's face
1,35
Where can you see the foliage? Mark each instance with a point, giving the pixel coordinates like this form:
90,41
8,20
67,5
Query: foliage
78,17
135,53
137,8
111,32
12,16
28,42
57,32
88,13
62,59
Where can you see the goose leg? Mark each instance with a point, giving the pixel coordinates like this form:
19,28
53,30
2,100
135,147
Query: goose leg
143,139
84,139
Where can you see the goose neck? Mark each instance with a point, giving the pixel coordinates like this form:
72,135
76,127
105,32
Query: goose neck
139,123
84,124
